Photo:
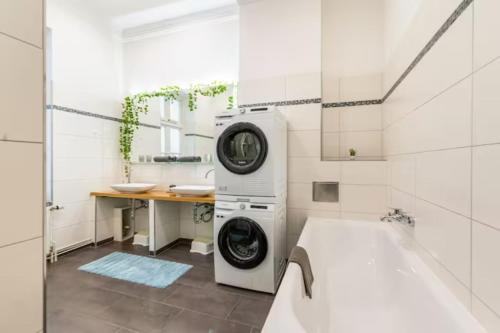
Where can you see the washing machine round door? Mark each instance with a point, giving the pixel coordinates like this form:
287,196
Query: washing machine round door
242,243
242,148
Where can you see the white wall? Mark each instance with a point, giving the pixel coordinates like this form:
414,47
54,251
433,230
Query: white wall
443,147
186,55
352,63
86,151
21,170
280,60
193,54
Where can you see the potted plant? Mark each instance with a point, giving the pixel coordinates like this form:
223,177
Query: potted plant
352,153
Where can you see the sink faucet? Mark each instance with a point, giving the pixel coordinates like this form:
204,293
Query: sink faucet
208,172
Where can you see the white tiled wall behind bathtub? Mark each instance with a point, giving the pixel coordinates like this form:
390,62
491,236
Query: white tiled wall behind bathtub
21,170
287,68
443,148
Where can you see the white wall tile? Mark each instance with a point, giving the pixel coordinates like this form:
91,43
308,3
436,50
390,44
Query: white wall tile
432,124
21,201
488,319
486,184
304,143
443,177
486,43
363,198
485,265
22,19
486,104
366,143
303,86
21,287
309,169
360,88
262,90
331,146
364,172
21,90
433,225
330,86
402,173
331,120
361,118
303,117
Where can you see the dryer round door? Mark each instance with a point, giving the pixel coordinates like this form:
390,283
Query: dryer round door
242,148
242,243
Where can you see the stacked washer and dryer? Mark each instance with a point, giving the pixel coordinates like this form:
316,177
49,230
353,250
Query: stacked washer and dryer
250,208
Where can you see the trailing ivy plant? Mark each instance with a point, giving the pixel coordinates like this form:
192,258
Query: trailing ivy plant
137,104
133,106
211,90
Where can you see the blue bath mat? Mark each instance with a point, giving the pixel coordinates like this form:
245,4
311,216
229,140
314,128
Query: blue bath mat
151,272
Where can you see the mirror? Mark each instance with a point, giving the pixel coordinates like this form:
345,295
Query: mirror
173,132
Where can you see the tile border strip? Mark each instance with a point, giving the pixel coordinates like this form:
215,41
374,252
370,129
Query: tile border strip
94,115
446,25
441,31
353,103
284,103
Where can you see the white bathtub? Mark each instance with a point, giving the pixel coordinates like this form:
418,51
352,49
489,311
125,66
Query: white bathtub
365,281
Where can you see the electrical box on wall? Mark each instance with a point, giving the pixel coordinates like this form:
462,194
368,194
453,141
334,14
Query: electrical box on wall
326,191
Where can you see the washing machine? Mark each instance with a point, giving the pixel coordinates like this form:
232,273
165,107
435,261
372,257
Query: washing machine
251,153
250,244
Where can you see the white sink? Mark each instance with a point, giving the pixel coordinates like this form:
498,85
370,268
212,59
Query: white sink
133,187
194,190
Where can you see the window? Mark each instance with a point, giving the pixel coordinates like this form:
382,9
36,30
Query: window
171,128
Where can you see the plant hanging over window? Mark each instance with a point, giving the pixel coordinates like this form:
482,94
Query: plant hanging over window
211,90
137,104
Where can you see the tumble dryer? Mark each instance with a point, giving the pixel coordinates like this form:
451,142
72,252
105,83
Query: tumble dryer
251,153
250,244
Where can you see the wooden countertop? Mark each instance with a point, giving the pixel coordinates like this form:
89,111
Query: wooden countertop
155,195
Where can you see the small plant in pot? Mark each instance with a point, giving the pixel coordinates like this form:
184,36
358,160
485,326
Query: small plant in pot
352,153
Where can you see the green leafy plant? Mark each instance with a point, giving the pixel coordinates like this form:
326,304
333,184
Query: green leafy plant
132,107
352,152
137,104
211,90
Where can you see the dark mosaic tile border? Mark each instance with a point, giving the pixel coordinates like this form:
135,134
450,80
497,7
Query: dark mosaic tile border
353,103
284,103
95,115
446,25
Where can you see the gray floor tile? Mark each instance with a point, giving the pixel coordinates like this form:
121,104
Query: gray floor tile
211,302
91,301
139,314
139,290
251,311
70,322
84,302
196,277
192,322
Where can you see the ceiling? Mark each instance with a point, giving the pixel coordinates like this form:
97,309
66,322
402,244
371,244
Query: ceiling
113,8
126,14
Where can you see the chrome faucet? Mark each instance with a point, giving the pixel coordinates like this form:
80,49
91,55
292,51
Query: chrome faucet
399,215
208,172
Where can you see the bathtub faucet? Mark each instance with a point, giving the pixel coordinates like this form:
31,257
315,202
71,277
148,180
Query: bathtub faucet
399,215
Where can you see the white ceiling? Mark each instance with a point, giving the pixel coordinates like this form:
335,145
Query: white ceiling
113,8
126,14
